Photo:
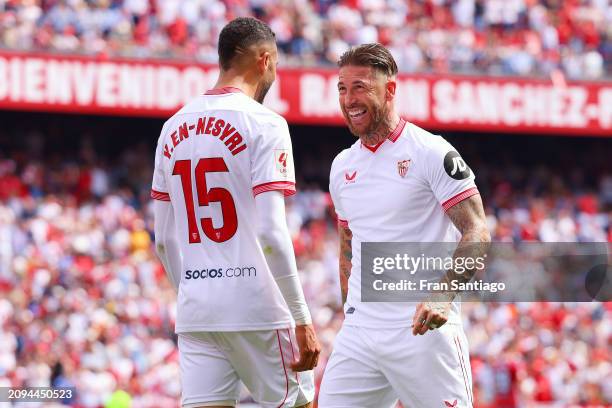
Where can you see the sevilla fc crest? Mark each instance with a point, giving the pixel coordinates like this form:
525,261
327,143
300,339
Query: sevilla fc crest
402,167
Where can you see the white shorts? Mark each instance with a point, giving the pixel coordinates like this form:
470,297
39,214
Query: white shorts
372,368
213,364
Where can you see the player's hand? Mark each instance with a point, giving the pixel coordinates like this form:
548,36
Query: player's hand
430,315
309,348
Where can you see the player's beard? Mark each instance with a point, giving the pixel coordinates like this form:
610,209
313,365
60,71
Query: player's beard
371,134
262,90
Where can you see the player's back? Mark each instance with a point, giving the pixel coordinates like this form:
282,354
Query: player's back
213,156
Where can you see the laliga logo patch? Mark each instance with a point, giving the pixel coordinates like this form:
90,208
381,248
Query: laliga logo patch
280,158
455,166
402,167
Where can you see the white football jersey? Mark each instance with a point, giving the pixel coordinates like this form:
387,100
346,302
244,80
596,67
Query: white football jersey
213,156
397,191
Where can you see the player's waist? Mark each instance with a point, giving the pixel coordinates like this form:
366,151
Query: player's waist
387,314
191,327
377,323
247,307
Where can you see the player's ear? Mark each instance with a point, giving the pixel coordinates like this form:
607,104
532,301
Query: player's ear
265,59
390,89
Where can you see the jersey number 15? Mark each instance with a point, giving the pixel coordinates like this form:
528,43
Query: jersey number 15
205,196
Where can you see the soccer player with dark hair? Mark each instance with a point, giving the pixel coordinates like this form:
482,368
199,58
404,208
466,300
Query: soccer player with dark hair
223,166
397,183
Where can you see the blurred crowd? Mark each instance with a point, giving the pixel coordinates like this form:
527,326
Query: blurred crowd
493,37
84,301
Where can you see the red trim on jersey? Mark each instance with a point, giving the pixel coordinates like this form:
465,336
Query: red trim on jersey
343,223
158,195
224,90
284,368
373,149
397,131
459,198
287,187
393,136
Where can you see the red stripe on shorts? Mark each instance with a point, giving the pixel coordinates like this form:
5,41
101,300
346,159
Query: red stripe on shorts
466,373
292,354
465,382
284,368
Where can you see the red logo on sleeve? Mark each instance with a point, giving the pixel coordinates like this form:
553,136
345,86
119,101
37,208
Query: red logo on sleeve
350,178
448,404
280,157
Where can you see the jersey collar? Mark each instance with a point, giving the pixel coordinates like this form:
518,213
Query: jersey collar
393,136
224,90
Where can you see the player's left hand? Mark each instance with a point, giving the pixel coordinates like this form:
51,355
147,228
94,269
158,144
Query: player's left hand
430,315
309,348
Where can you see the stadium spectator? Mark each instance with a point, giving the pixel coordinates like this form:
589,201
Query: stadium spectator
510,37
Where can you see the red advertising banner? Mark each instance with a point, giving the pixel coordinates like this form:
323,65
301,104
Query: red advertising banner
304,96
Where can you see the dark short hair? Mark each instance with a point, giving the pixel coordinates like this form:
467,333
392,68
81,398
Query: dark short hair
241,32
370,55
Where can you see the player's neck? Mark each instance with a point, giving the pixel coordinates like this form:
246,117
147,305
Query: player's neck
383,131
235,81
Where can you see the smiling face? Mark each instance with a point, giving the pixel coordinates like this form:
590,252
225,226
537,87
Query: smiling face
363,99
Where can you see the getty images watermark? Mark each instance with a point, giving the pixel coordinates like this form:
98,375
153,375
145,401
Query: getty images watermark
410,265
501,272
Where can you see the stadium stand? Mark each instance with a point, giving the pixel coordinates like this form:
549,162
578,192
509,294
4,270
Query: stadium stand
493,37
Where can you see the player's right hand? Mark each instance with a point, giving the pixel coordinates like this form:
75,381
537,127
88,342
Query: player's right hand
431,314
309,348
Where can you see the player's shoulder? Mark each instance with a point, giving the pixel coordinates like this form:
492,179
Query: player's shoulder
432,152
345,154
262,119
165,127
344,157
267,118
266,114
340,157
193,106
424,142
260,113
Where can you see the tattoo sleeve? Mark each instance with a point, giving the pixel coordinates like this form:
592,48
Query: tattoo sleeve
469,218
346,255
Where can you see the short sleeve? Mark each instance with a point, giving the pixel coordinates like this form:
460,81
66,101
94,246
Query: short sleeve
272,160
333,192
448,175
159,188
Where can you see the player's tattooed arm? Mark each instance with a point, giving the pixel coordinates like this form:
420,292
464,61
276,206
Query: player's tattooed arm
346,255
469,218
